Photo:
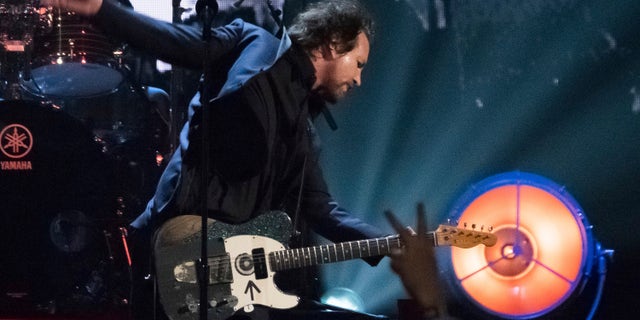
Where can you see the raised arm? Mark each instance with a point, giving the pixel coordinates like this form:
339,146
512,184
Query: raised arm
83,7
177,44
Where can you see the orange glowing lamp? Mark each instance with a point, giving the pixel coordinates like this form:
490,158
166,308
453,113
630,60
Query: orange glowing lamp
543,248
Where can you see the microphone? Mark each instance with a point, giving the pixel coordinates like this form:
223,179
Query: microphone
209,5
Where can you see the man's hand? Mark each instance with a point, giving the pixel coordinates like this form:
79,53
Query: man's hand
415,263
83,7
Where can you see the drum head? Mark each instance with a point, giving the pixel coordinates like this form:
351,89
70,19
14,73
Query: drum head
55,195
73,79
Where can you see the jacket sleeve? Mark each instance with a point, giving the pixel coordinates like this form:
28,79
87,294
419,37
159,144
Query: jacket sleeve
173,43
327,218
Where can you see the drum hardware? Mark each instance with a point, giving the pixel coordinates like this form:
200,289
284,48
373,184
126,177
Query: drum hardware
19,21
17,24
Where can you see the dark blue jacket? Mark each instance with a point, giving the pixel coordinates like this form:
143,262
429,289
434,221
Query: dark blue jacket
262,137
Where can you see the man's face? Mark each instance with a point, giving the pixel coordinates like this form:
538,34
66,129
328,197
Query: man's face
338,73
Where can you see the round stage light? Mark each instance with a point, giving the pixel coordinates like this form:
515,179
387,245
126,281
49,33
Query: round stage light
545,250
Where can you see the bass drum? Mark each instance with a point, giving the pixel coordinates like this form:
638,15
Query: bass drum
72,58
57,196
133,131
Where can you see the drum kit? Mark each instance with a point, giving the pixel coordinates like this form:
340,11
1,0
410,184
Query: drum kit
81,147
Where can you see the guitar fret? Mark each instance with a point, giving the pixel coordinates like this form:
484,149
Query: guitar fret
347,252
315,255
292,256
276,263
363,250
388,246
279,260
335,253
342,249
285,259
300,257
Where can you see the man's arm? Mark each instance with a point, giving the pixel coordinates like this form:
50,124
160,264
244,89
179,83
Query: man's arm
173,43
327,218
84,7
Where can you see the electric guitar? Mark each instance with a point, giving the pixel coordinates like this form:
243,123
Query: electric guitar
244,258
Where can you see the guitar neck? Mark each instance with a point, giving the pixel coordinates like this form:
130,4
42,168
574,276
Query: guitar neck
310,256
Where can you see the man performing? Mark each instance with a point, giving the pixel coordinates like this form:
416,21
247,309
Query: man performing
263,95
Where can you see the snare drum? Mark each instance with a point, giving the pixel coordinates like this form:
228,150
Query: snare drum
74,59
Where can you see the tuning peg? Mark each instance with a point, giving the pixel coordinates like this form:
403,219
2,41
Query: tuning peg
490,228
482,227
473,226
465,225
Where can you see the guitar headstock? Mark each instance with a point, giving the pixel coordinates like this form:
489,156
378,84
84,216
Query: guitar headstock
462,238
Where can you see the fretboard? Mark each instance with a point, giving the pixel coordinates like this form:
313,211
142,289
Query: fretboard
309,256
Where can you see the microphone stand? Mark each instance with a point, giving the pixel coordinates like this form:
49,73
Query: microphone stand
208,10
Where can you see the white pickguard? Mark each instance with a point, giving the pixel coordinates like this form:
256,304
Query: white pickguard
263,291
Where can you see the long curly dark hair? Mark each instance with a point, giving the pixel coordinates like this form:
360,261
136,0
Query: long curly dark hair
336,22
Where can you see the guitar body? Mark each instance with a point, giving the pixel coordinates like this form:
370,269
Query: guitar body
239,277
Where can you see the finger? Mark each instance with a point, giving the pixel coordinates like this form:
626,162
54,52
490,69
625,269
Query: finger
422,219
395,266
395,223
395,252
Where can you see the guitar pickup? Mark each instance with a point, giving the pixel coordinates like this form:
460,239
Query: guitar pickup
259,263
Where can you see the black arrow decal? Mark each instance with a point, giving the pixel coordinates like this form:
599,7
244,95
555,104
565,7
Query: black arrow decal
250,287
